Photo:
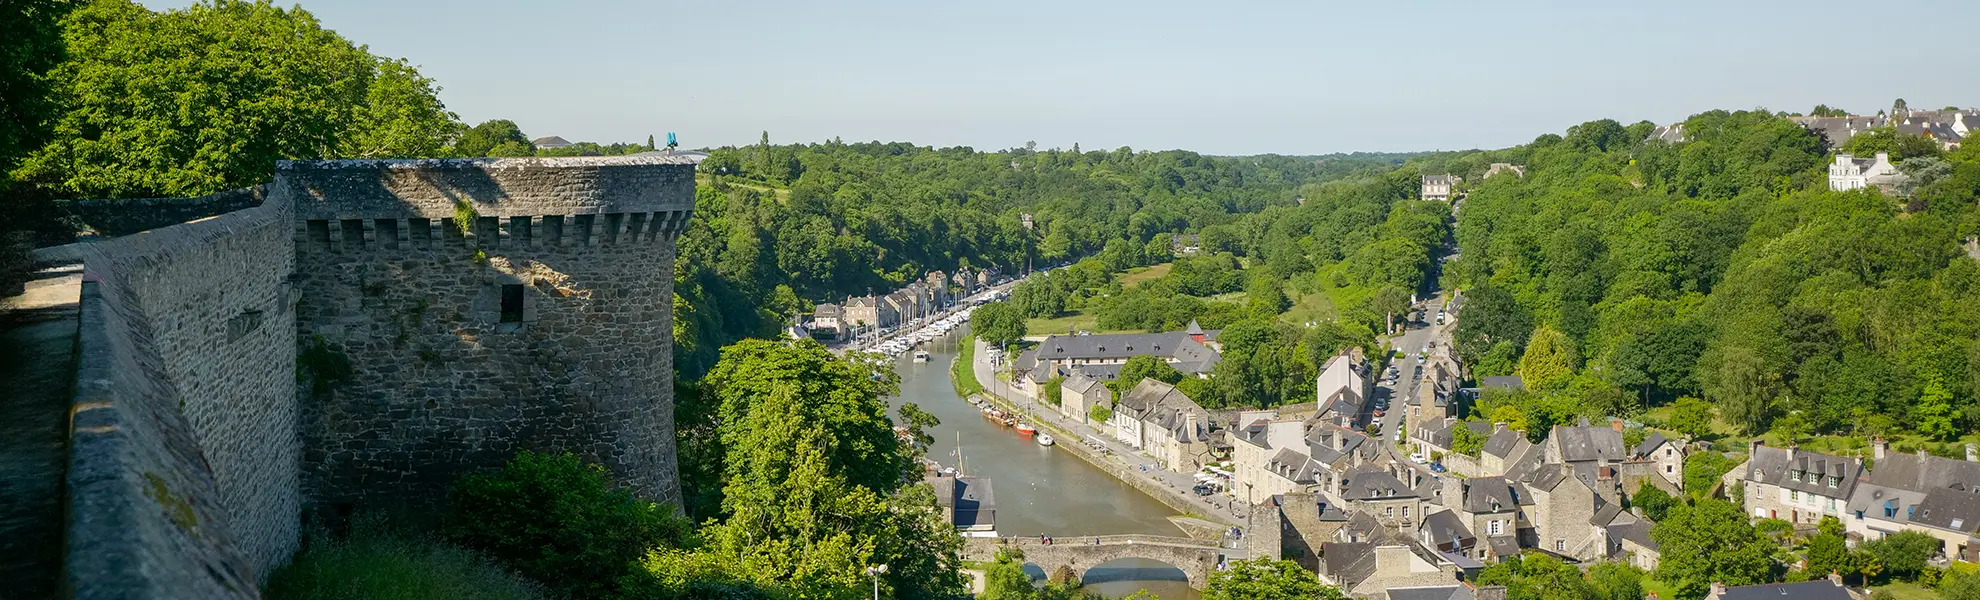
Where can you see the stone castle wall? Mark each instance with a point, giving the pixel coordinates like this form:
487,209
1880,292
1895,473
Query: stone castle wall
440,384
184,454
193,446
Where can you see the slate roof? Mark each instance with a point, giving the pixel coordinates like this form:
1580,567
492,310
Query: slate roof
1650,444
1776,466
550,142
1950,509
1585,442
1481,494
1082,384
1369,482
1185,354
1636,531
1605,513
1509,382
1672,133
1503,545
1440,592
860,301
1921,473
1163,406
1819,589
1446,531
973,499
1437,433
1504,443
1348,562
827,310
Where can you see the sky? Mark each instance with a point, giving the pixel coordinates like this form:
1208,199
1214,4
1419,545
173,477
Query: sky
1224,78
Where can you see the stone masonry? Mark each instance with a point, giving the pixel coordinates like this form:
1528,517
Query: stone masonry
453,311
445,380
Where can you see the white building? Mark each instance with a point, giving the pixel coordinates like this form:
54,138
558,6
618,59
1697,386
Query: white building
1852,173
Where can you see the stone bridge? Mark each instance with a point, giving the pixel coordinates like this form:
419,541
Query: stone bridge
1195,558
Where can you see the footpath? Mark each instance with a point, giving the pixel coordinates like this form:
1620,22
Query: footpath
37,375
1115,457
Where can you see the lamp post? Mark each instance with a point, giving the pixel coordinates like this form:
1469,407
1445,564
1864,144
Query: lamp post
876,571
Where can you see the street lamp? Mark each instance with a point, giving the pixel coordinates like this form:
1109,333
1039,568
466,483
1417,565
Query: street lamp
876,571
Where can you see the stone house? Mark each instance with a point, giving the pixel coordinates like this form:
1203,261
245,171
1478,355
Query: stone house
1493,508
938,289
829,317
1342,387
1439,187
1798,486
1102,356
966,502
1658,460
1630,543
1583,443
907,301
870,312
1434,438
1080,393
1277,456
1166,424
1564,505
1371,570
1936,496
1378,492
1838,130
1505,448
1852,173
1304,523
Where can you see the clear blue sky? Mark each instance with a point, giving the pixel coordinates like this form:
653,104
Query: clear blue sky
1222,78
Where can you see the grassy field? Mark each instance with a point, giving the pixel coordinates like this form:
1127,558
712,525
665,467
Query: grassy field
1661,589
782,194
1138,275
1908,591
962,372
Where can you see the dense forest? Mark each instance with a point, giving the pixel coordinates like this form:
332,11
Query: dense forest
1623,274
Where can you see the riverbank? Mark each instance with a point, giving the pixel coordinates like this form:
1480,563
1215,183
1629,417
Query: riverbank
1170,489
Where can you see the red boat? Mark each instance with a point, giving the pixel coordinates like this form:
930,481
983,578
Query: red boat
1026,429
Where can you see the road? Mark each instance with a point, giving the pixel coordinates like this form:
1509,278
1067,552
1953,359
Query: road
1418,331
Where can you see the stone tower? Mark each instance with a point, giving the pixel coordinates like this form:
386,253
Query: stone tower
484,306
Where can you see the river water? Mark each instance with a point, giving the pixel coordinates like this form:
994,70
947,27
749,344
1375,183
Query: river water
1039,489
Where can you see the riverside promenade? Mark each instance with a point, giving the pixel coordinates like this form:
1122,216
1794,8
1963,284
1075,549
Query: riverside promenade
1122,461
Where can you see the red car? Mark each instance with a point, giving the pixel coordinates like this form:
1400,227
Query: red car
1378,413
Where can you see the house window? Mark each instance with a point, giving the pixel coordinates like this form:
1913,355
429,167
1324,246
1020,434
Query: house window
1496,527
1405,512
512,303
1835,481
1388,511
1667,469
1560,546
1794,495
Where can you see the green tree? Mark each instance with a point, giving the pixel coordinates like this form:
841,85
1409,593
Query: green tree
1827,553
1708,542
1960,584
559,521
918,422
1535,576
1488,317
1147,366
1702,471
1265,579
1655,502
1467,442
481,140
1616,581
1692,417
1005,579
1933,415
1549,360
998,323
193,101
1903,554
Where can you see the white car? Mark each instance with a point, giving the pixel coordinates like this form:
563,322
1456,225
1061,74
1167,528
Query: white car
1417,457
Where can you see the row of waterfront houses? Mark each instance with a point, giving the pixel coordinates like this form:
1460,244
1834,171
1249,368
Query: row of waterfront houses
1894,492
920,298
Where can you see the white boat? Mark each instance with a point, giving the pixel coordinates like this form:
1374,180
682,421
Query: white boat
921,356
1044,439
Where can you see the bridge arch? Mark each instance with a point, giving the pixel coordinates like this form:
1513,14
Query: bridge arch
1196,559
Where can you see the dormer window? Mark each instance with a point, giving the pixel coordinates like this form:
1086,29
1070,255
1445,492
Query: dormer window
1835,481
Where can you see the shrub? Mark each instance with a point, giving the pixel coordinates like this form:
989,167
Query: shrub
560,521
374,562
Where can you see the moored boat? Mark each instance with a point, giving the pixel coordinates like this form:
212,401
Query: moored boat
1044,439
1026,429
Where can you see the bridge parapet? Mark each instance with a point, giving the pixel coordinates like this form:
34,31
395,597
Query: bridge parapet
1195,558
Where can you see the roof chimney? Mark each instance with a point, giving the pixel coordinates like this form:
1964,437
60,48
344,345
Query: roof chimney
1615,424
1879,446
1753,446
1835,578
1718,590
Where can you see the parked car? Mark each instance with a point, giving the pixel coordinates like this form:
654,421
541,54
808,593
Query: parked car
1202,490
1378,413
1417,457
1436,467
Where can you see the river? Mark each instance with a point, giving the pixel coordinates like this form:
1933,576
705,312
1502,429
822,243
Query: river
1039,489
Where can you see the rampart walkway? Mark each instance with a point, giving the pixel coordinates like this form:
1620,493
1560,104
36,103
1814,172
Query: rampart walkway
37,370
